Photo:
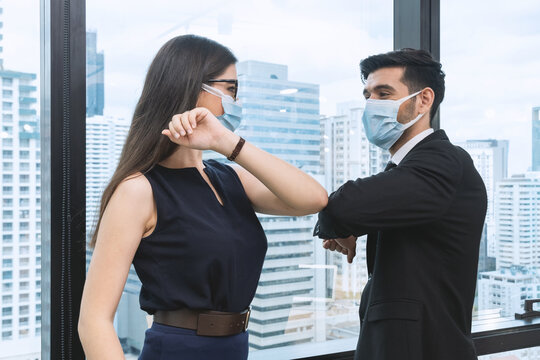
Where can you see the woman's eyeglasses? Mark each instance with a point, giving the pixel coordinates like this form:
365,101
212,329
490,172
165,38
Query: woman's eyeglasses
228,81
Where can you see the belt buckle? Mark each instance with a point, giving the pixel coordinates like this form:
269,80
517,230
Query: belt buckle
246,322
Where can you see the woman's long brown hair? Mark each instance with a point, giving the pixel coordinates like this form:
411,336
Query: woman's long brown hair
172,86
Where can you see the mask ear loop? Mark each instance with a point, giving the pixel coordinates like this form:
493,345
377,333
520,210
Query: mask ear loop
415,120
401,101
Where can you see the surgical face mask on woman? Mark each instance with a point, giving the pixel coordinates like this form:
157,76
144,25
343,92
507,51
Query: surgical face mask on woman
232,110
380,121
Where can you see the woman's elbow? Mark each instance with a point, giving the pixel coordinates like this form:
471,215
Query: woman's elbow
318,201
87,325
322,200
83,328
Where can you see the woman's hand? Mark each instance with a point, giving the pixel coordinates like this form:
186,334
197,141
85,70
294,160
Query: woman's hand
200,129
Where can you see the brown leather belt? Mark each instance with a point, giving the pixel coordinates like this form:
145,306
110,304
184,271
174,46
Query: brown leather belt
205,322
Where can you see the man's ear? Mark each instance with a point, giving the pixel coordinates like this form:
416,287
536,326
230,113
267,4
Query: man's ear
425,100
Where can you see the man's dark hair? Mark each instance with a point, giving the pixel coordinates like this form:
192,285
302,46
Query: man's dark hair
421,70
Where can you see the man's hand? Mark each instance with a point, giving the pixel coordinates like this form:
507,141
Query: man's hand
346,246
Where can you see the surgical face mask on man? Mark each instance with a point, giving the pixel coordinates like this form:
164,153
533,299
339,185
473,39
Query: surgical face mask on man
232,110
380,121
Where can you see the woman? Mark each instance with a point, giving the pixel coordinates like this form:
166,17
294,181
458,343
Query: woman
188,225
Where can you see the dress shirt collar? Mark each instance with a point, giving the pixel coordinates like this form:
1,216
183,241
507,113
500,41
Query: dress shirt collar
404,150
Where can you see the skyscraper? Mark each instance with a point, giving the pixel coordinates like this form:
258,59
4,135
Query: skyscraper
282,117
95,90
535,138
1,38
507,288
347,154
20,252
490,158
517,218
105,137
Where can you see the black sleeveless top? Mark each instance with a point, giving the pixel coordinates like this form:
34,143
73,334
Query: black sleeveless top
201,255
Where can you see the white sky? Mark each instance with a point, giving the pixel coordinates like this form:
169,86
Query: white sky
491,54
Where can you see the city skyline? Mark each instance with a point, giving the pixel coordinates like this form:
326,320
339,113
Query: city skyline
493,112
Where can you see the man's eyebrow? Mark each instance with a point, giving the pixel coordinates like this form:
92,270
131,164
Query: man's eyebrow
384,87
379,88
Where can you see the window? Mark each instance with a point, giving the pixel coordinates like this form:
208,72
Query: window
7,299
24,262
6,323
7,275
285,99
23,310
7,214
24,155
506,266
7,311
235,23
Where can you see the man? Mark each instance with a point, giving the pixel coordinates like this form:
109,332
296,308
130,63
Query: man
423,215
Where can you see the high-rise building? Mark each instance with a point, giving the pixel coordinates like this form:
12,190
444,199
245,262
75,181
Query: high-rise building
517,218
20,251
485,262
536,138
95,64
507,288
282,117
1,38
490,158
105,138
347,154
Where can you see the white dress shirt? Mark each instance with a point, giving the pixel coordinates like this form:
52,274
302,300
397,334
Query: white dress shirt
404,150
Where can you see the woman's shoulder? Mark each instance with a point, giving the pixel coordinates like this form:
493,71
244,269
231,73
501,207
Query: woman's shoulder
134,188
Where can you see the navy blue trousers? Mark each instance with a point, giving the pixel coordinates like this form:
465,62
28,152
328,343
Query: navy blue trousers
163,342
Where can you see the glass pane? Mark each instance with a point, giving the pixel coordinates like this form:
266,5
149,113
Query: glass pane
491,109
20,250
522,354
302,101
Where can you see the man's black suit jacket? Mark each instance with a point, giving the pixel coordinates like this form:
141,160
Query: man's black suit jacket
424,220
